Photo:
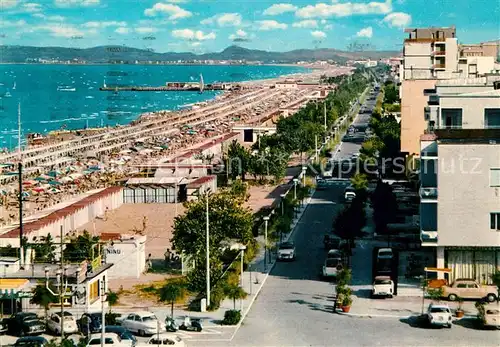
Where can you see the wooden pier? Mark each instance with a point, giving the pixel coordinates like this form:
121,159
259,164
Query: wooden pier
171,87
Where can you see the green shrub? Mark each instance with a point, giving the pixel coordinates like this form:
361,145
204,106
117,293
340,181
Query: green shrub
231,317
216,296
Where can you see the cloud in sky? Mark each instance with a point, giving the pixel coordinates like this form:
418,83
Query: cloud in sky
172,11
224,20
145,30
75,3
31,7
317,34
308,23
397,19
239,36
365,32
8,3
58,30
55,18
122,30
266,25
277,9
188,34
12,24
344,9
104,24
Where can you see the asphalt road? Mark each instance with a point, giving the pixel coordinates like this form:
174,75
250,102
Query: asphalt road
294,307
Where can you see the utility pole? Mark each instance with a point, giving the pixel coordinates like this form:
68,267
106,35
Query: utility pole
316,147
208,250
103,315
20,179
62,290
324,111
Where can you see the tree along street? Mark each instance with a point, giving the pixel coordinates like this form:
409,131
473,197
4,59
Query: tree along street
294,307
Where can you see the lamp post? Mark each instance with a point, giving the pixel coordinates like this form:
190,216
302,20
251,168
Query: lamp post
266,220
242,250
304,169
283,196
207,237
295,181
62,284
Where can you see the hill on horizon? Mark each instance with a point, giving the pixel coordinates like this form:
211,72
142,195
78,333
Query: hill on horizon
104,54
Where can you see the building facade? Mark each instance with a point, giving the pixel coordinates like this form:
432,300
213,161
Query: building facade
460,178
431,55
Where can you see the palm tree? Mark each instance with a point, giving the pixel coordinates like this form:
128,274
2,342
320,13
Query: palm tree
171,292
359,181
112,299
235,292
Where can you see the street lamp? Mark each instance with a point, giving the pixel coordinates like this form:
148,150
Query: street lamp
62,284
266,220
304,169
207,237
295,180
283,196
242,250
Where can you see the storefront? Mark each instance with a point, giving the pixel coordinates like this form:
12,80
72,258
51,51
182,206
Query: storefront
13,295
478,263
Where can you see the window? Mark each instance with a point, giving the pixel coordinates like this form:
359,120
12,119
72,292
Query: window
461,285
492,118
495,177
495,221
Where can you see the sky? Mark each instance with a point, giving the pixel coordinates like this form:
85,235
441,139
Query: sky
201,26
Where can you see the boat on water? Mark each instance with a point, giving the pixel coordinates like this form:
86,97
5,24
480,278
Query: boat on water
14,86
7,95
66,89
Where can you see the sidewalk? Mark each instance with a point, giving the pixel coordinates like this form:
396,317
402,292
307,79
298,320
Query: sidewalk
253,281
399,307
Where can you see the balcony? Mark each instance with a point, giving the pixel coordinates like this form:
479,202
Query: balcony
439,53
428,193
439,66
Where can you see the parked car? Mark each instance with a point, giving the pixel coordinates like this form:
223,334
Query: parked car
166,339
383,286
490,316
469,289
439,315
4,325
385,253
143,323
109,339
25,323
31,341
90,323
349,194
286,251
334,254
54,323
124,334
331,267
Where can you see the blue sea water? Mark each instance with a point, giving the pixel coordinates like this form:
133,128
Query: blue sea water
55,96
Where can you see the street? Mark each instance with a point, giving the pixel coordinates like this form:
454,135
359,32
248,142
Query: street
294,307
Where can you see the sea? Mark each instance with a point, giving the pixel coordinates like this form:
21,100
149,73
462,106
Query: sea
54,97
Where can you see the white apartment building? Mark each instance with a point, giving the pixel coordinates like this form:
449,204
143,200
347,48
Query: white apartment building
460,177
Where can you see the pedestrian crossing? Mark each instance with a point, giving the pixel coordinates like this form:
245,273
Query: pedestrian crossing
333,182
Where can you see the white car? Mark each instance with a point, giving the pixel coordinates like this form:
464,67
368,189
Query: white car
286,251
439,315
383,286
334,254
69,324
164,339
490,318
331,267
349,194
385,253
143,323
109,339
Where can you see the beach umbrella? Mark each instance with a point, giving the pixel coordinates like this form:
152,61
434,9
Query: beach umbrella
54,190
54,183
54,173
40,179
29,183
3,192
87,172
38,189
26,194
66,179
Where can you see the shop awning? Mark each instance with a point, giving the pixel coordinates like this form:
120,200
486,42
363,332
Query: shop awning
14,288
